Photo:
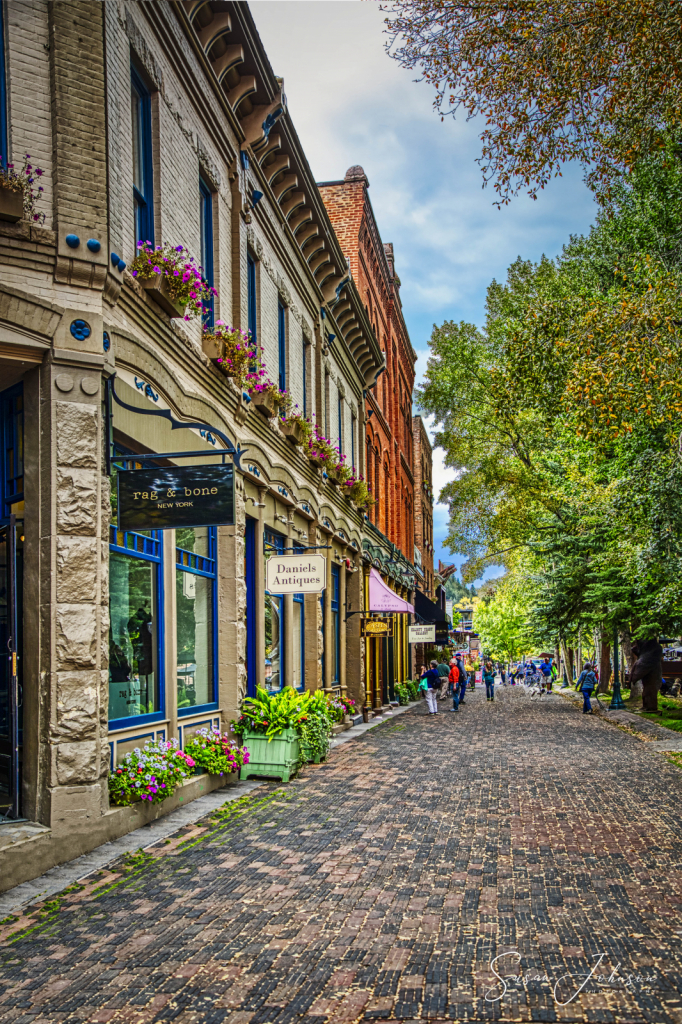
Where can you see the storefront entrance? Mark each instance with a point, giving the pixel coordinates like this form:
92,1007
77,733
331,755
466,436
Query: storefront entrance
11,555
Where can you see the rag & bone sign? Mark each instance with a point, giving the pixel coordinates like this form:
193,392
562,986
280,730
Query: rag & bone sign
173,496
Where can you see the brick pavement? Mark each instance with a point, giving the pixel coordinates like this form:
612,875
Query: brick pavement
383,884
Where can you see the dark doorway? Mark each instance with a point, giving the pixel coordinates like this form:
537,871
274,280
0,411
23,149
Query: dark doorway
11,575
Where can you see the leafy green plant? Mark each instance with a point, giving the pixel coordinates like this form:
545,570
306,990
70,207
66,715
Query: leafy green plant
216,752
183,277
402,693
272,713
314,733
22,181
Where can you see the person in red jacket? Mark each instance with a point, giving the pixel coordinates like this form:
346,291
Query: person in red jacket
453,679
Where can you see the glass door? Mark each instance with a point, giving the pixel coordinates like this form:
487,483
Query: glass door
11,547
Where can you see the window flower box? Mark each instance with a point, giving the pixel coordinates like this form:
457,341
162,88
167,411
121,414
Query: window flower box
157,289
277,757
265,402
294,430
11,204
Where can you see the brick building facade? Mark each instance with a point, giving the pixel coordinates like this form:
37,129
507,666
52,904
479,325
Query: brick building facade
164,122
423,506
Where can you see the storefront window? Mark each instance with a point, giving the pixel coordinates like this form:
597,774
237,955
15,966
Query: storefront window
336,626
195,580
299,636
134,683
12,450
274,623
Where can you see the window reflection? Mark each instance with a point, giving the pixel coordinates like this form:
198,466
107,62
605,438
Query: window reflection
133,668
274,631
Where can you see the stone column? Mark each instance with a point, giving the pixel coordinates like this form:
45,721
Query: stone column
72,591
288,605
232,610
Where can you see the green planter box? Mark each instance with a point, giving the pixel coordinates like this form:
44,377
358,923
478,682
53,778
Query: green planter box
307,753
279,758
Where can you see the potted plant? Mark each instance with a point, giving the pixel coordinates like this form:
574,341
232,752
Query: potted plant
268,726
18,197
316,727
215,752
171,277
359,493
233,352
150,774
319,449
267,397
296,428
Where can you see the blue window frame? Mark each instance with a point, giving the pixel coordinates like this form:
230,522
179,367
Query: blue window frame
299,635
143,173
274,623
4,149
305,378
324,637
250,577
206,212
12,450
282,346
251,296
352,442
336,626
339,412
196,590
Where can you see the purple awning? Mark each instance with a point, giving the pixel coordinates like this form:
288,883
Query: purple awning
382,598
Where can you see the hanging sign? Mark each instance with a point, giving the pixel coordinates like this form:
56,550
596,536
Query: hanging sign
296,574
442,632
169,497
421,634
377,627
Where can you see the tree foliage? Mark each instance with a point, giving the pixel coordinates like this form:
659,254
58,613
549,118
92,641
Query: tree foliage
555,80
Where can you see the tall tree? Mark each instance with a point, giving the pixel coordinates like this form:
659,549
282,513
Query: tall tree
554,80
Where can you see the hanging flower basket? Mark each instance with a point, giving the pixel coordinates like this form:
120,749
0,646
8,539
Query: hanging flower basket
293,429
11,203
157,289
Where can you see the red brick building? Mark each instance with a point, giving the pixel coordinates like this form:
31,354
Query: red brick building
423,507
389,443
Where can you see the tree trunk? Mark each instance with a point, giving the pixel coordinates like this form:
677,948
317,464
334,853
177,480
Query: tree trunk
564,662
649,669
580,650
630,656
604,667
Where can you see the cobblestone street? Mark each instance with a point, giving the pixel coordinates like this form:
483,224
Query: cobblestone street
384,884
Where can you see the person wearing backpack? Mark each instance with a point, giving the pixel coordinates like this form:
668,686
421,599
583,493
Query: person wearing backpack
587,682
463,680
432,680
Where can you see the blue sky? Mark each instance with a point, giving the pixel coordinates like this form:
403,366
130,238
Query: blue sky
351,104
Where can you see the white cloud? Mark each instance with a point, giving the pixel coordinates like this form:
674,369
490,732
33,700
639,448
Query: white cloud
351,104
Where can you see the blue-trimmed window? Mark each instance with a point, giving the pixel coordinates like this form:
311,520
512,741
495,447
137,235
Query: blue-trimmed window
251,611
135,628
206,213
12,451
196,596
251,296
274,622
282,346
339,412
143,172
305,377
299,636
352,442
324,637
4,147
336,626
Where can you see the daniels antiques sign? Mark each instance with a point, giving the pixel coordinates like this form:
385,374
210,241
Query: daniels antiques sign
175,496
296,574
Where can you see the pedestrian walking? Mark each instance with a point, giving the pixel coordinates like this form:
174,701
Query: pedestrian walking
454,684
489,680
546,669
463,679
432,679
443,672
587,682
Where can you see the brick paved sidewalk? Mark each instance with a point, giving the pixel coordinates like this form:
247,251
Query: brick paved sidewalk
383,884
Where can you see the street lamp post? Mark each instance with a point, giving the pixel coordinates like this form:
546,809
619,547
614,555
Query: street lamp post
616,700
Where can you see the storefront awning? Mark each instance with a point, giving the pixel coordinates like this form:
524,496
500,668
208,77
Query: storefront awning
426,609
382,598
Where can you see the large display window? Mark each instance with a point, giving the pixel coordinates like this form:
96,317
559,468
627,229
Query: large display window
195,586
274,623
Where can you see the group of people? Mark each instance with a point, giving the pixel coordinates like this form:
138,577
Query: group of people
451,679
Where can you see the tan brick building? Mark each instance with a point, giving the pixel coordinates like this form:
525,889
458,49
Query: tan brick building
160,121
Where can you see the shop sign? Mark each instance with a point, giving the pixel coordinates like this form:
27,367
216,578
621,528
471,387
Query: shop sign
421,634
169,497
296,574
377,627
475,644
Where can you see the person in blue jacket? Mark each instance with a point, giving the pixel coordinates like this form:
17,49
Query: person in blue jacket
587,682
432,680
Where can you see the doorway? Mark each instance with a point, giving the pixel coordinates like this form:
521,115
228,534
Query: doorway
11,576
